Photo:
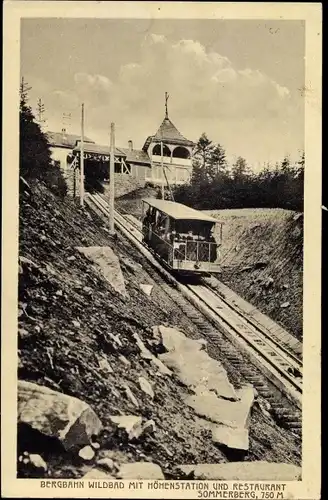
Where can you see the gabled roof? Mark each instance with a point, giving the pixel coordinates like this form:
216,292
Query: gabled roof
136,156
64,140
168,132
98,149
131,156
178,211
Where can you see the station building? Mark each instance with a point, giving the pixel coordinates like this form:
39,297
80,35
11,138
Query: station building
177,154
133,167
62,145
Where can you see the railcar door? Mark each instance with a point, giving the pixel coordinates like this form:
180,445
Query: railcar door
147,224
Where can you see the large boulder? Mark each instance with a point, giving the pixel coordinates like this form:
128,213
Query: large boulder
146,354
196,368
236,438
130,423
221,411
244,471
105,261
96,473
146,289
174,340
140,470
146,387
232,437
230,419
54,414
133,425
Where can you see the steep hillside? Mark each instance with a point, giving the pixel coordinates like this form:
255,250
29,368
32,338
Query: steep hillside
262,260
79,336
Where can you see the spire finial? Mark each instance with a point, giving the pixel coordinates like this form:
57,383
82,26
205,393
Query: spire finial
166,99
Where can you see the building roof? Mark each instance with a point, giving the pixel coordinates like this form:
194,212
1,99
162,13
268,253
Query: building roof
136,156
131,156
178,211
64,140
98,149
168,132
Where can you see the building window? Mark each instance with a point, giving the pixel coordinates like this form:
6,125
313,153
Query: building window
127,169
122,168
118,168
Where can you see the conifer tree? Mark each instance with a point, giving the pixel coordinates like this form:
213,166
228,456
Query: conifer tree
34,150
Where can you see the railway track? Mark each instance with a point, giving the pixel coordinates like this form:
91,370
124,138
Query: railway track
281,361
266,354
268,328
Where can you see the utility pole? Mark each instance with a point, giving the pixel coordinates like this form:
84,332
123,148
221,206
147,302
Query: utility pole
23,91
162,160
82,159
66,121
111,177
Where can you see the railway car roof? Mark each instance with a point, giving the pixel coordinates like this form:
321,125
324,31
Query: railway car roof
178,211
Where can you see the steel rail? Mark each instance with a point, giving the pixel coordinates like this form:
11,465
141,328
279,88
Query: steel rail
285,353
259,327
256,324
270,350
249,339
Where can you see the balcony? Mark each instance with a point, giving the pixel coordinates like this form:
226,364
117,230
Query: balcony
185,162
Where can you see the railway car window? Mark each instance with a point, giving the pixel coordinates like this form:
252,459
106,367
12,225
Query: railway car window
167,226
148,217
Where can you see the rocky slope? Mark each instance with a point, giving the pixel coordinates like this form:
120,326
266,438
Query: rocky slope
84,336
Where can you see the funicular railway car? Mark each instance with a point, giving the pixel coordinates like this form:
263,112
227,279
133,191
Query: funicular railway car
188,241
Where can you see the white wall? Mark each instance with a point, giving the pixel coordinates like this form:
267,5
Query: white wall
176,174
60,154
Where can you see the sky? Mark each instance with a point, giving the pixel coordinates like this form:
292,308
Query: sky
239,81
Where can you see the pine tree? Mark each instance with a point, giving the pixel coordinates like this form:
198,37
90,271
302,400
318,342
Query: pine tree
209,158
286,167
23,95
217,162
34,152
266,172
240,169
301,165
203,150
40,113
198,175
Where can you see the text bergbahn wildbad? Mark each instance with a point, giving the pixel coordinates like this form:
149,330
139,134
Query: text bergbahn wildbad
205,489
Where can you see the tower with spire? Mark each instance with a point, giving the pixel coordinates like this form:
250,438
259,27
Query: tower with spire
176,149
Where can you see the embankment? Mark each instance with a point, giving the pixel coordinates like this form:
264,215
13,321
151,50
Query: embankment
262,260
